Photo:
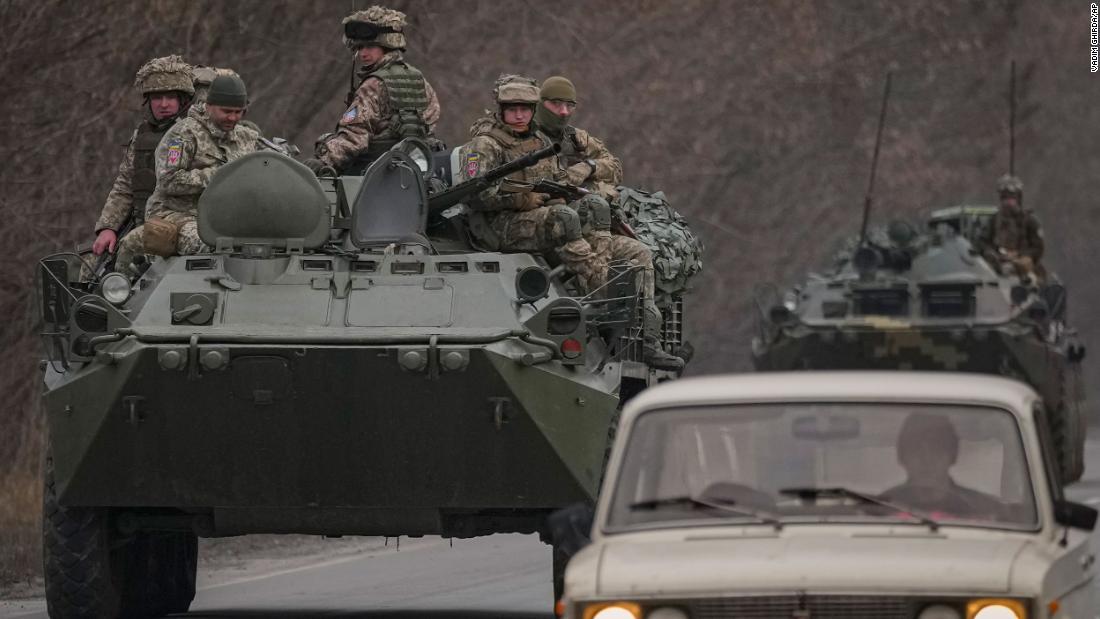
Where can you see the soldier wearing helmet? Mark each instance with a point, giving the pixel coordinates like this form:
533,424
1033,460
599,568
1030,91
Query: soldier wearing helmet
166,87
187,158
523,221
393,101
586,162
1015,242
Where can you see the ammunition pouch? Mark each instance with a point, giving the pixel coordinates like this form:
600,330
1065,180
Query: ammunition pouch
160,237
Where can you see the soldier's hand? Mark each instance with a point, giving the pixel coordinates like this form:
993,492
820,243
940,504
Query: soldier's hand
578,173
530,201
106,240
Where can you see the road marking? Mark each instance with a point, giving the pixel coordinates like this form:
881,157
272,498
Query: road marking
337,561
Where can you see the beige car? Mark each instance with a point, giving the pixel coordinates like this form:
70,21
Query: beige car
855,495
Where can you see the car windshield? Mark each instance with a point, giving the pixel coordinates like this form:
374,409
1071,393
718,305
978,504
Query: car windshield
925,464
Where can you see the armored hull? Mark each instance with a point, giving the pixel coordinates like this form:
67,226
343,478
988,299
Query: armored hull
931,302
331,366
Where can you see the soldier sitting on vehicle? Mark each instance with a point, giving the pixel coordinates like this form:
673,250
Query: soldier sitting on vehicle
927,448
1014,243
166,86
187,158
586,162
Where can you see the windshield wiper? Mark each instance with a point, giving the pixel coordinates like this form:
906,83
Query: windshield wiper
811,493
698,501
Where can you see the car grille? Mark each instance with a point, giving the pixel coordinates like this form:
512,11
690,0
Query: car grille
799,607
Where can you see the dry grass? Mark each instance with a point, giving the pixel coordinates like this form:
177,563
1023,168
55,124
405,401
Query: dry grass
19,528
756,118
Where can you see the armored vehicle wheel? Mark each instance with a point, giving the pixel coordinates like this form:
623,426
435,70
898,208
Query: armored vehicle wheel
1067,430
93,571
561,559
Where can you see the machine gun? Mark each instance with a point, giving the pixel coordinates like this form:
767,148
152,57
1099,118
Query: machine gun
449,197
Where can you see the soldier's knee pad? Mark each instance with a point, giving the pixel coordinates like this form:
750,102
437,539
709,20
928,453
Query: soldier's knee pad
594,213
564,223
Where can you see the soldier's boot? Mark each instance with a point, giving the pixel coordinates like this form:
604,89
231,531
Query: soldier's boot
589,267
652,352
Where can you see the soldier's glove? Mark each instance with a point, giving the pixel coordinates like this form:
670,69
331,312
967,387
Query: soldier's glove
315,165
531,201
578,173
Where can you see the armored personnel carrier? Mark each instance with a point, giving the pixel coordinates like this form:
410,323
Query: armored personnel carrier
927,300
335,366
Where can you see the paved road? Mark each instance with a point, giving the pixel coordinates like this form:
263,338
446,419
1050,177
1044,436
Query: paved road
489,578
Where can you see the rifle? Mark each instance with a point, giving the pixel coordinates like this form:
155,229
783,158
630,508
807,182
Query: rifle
450,197
106,262
570,193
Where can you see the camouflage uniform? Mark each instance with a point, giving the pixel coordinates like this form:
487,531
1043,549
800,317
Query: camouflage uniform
393,100
586,162
187,158
551,227
136,178
1015,237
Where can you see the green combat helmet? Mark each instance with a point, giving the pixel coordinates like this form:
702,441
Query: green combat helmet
511,88
227,91
375,26
165,74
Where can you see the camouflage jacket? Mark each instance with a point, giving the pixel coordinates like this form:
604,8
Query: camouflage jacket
580,146
187,158
1020,233
136,176
495,143
369,116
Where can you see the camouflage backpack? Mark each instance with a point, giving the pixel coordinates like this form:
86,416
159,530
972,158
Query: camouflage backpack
677,252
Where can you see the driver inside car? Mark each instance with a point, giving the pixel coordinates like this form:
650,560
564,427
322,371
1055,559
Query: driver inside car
927,448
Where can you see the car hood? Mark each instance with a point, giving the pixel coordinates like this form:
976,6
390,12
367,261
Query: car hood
821,563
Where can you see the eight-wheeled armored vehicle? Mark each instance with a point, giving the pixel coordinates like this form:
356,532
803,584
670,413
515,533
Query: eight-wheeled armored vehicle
927,300
341,362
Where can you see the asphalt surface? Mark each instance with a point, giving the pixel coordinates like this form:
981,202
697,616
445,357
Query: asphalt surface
487,578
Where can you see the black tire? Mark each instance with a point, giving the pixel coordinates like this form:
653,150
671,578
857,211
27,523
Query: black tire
93,571
561,559
178,558
1067,432
81,580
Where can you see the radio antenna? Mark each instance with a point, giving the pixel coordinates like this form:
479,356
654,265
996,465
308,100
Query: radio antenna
874,162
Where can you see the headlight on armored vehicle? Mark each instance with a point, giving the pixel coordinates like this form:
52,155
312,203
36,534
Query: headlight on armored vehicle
995,609
115,287
666,612
613,610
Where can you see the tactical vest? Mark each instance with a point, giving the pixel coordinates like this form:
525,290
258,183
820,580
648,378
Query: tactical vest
408,94
515,146
144,179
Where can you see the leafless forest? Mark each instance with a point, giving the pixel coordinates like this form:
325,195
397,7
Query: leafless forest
757,118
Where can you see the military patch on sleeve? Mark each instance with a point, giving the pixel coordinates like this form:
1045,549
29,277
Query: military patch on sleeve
472,165
175,149
350,114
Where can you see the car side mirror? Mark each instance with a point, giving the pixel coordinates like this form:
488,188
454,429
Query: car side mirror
1075,515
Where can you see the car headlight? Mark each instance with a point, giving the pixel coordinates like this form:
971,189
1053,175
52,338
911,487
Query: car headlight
613,610
115,287
666,612
995,609
939,611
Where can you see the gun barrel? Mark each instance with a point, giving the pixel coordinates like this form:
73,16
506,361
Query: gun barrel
476,185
